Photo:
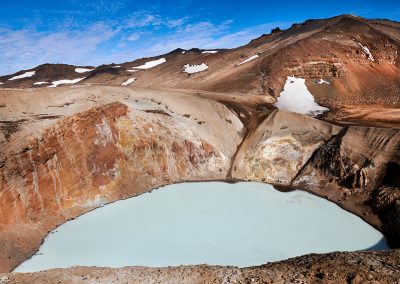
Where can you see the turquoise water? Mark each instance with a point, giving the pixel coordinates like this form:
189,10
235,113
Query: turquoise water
240,224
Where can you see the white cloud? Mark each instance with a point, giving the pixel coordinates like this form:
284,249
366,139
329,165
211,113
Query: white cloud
23,49
176,22
117,41
134,37
142,19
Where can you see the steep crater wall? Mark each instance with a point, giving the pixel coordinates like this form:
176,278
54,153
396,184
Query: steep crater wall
354,167
98,156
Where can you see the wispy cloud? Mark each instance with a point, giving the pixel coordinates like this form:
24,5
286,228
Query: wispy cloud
26,48
116,41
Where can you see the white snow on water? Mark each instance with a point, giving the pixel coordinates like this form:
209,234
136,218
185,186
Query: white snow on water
296,97
216,223
82,70
151,64
40,83
65,81
322,81
128,82
210,51
367,52
25,75
190,69
249,59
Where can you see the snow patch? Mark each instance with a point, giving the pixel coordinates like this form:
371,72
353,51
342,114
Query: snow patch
367,52
151,64
117,66
128,82
249,59
40,83
82,70
190,69
132,70
25,75
210,51
183,52
322,81
65,81
296,97
1,83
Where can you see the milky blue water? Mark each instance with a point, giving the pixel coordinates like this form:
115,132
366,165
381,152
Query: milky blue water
239,224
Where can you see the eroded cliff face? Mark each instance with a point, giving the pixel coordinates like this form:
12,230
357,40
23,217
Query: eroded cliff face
355,167
106,153
279,147
96,145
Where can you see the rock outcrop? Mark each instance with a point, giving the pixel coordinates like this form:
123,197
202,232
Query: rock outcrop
347,165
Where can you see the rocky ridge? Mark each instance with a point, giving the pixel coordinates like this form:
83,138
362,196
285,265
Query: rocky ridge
358,58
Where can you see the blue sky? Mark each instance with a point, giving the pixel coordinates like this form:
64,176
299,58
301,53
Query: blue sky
89,32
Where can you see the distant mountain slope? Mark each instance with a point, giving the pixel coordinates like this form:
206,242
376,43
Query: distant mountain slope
357,59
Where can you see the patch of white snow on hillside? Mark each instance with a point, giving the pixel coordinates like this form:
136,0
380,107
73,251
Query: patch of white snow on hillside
65,81
249,59
151,64
295,97
117,66
367,52
83,70
40,83
191,69
1,83
25,75
210,51
184,51
128,82
132,70
322,81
